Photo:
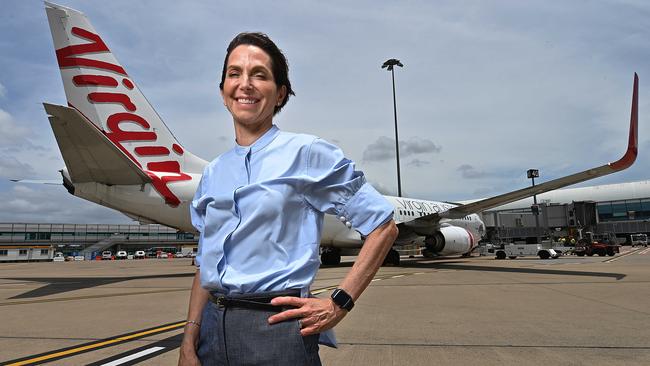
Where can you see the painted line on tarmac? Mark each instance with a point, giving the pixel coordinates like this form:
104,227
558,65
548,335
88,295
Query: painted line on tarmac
92,346
645,251
621,256
75,350
137,355
134,356
86,297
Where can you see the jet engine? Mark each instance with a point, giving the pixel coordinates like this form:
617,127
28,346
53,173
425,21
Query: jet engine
450,240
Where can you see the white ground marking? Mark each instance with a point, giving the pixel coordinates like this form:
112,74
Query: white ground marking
133,356
621,256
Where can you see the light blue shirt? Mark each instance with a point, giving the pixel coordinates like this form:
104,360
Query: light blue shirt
259,210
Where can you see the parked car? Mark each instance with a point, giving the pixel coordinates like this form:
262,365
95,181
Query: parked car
139,254
179,255
107,255
121,254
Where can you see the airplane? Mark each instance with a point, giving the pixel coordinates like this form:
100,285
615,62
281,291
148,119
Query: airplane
120,154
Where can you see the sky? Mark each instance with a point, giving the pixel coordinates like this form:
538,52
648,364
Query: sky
488,90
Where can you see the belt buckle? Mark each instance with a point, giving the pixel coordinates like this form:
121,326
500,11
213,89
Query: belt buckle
221,301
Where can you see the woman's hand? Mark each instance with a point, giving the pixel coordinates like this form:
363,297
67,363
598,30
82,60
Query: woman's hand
188,347
315,315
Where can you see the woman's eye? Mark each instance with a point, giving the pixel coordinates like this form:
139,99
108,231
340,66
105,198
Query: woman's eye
233,74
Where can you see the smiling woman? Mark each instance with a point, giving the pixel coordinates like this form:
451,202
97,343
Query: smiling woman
259,209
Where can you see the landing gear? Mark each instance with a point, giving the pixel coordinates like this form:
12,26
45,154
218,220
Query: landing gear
330,257
392,258
428,253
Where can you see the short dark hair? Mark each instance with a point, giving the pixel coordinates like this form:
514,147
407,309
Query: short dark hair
279,63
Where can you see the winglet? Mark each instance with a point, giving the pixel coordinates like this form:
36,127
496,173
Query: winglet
632,145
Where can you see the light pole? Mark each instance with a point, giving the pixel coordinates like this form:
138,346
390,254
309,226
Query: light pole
532,174
389,66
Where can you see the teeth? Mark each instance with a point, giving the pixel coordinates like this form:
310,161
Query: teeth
246,101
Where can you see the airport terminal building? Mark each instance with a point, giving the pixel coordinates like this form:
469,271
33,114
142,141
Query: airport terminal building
622,209
33,242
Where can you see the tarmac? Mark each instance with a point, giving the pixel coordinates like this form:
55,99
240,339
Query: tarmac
458,311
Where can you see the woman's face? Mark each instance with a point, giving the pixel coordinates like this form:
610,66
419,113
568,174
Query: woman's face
249,90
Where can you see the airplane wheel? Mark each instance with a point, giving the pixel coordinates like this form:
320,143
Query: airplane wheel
544,255
392,258
426,253
330,258
501,255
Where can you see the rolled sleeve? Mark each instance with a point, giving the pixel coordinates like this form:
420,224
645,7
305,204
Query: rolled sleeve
367,210
335,187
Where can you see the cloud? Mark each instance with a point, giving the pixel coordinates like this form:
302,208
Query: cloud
42,203
383,189
10,167
418,163
469,172
384,148
10,132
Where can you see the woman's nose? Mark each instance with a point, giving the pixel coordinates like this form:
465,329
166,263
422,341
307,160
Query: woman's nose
246,83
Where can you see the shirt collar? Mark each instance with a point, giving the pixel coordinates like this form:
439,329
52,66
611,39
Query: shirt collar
260,143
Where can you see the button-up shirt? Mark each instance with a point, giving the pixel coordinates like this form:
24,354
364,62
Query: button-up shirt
259,210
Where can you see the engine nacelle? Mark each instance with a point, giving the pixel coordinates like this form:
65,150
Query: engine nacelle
450,240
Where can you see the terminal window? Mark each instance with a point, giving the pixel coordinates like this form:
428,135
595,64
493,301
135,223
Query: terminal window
22,252
4,252
44,251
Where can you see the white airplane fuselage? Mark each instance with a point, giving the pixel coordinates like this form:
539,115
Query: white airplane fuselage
144,203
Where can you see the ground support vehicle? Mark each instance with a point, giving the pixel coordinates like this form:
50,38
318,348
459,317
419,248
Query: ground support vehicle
639,239
590,248
107,255
513,251
599,244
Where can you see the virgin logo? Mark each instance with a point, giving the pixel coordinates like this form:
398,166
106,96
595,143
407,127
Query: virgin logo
161,172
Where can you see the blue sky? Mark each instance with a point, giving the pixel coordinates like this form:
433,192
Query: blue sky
489,88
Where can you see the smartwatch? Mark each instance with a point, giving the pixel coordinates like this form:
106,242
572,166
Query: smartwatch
342,299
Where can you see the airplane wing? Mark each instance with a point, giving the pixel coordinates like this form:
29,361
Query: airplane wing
88,154
623,163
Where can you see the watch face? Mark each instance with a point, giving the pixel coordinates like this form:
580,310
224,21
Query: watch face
342,299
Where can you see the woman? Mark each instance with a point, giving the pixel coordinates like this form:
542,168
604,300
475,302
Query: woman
259,210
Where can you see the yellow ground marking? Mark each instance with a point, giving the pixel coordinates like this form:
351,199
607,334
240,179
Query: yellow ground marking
98,344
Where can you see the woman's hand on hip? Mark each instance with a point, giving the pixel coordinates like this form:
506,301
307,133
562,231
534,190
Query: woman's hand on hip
314,315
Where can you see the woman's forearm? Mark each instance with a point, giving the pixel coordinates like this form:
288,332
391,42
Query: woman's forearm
198,298
370,258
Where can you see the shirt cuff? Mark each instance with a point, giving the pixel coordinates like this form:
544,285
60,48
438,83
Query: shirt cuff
367,209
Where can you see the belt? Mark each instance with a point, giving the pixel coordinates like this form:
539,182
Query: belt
255,301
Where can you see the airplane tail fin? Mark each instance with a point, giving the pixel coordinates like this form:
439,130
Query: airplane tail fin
98,86
100,89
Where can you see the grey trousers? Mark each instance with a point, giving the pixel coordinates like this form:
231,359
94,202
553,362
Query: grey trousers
239,336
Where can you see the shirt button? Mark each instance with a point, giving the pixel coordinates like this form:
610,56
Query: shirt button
348,224
343,218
